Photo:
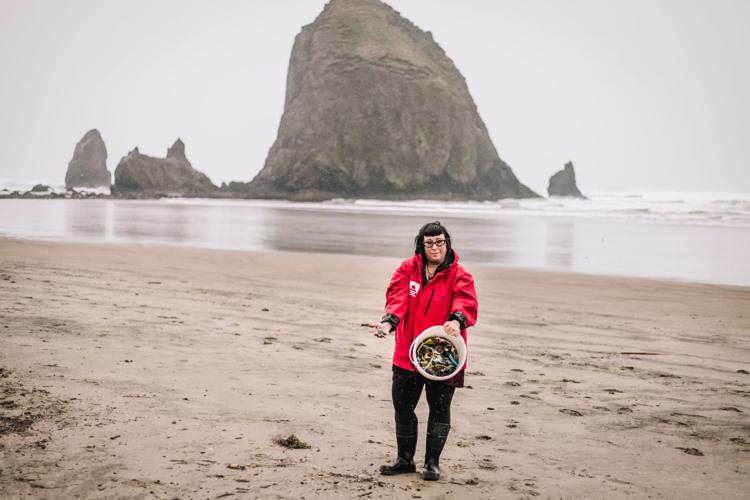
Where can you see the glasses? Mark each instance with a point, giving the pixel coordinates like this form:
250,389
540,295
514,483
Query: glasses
430,243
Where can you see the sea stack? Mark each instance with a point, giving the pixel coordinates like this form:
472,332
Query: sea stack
141,175
563,183
374,108
88,168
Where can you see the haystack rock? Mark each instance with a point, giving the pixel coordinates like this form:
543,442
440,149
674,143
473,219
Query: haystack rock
375,108
139,174
563,183
88,168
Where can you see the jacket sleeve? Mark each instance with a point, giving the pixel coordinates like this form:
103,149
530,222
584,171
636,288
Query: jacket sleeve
465,299
397,295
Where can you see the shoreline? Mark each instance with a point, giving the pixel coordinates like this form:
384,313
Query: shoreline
154,368
473,264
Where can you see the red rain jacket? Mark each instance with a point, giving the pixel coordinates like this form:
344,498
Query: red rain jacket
419,307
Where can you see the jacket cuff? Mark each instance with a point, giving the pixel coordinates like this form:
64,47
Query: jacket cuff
392,319
458,316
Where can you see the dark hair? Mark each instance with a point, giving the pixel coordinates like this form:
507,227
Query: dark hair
431,229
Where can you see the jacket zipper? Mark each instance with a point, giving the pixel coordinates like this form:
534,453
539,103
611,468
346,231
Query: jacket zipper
429,302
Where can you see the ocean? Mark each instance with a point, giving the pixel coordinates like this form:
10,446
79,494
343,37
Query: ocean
699,237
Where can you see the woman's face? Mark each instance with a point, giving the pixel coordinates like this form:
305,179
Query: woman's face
435,248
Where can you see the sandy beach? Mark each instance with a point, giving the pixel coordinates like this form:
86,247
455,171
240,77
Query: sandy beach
132,371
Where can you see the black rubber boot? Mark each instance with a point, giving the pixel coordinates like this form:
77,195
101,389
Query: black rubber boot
437,435
406,440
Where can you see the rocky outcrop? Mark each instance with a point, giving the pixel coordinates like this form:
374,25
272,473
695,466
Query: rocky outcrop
177,151
141,175
563,183
88,168
375,108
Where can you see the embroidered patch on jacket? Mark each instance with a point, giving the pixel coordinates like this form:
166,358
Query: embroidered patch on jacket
413,288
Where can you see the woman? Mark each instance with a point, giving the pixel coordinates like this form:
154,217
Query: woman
429,289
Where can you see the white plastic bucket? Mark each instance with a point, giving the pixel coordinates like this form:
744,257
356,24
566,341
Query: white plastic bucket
438,331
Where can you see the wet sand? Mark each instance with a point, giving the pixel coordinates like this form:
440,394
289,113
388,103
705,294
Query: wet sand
140,371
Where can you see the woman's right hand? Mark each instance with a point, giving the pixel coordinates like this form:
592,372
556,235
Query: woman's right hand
381,329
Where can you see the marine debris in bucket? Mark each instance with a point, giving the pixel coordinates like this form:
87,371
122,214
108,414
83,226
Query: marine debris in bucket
437,356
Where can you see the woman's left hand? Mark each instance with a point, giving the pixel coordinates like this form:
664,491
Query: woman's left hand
452,328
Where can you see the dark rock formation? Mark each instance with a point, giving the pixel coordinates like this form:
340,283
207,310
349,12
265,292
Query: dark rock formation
40,188
145,176
563,183
375,108
177,151
88,168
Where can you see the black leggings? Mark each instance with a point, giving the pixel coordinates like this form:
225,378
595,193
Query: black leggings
406,390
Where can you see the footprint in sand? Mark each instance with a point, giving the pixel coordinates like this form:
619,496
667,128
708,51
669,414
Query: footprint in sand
573,413
486,464
730,408
691,451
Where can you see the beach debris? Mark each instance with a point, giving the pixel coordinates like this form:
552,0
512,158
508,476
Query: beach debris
743,372
236,467
516,370
484,437
324,340
472,481
437,356
112,438
573,413
515,402
512,384
293,442
265,309
691,451
268,340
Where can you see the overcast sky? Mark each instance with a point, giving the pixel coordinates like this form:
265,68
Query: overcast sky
639,94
